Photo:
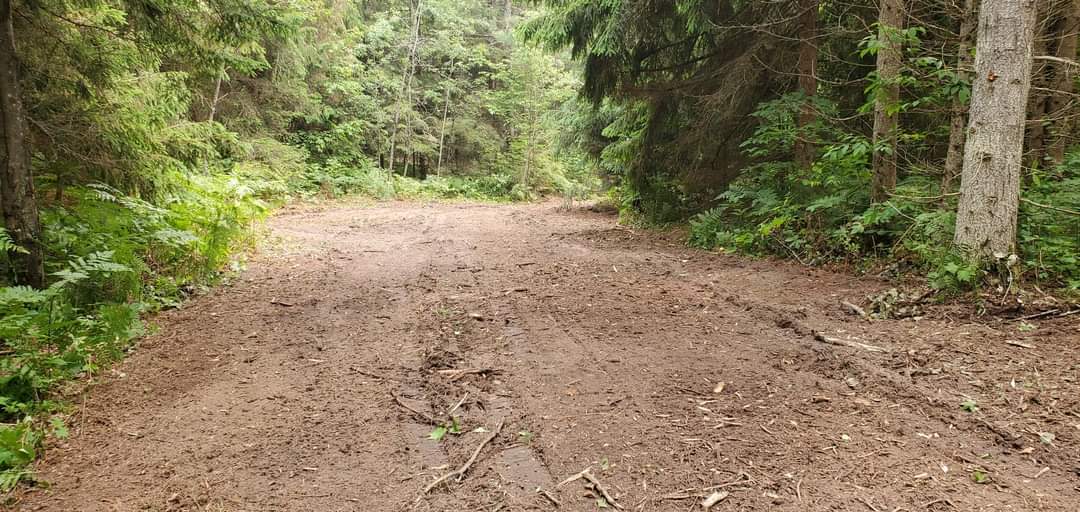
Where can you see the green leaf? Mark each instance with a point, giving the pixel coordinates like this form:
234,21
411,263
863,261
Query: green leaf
438,434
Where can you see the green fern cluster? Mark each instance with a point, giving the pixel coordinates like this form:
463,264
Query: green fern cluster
111,256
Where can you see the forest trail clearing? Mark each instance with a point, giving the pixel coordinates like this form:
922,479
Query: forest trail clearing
289,389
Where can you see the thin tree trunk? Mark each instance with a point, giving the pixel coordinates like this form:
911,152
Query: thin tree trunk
954,158
17,188
1064,81
406,79
808,55
528,160
508,13
990,181
1039,102
446,112
890,20
215,100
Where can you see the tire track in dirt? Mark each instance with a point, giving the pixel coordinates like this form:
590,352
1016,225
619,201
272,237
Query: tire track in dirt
277,392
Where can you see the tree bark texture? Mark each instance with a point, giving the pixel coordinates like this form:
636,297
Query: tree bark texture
17,188
1060,107
891,20
954,158
993,155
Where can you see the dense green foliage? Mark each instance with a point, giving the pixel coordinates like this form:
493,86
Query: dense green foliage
695,111
161,131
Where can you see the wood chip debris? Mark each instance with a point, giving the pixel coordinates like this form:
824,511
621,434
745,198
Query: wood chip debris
593,484
714,498
459,474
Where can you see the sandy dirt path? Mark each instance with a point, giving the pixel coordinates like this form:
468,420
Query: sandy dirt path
312,382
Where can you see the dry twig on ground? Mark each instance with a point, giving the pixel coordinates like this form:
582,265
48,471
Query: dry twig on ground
459,473
595,484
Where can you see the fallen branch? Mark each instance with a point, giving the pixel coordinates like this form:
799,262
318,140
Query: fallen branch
853,309
714,498
1068,313
1019,344
459,473
848,343
419,414
458,374
594,484
544,493
1034,315
457,405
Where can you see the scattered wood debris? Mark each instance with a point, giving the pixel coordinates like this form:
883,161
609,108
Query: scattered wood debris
1019,344
848,343
541,491
458,374
459,473
714,498
594,485
419,414
853,309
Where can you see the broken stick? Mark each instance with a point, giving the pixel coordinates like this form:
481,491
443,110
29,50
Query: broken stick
457,374
847,343
419,414
459,473
594,484
714,498
544,493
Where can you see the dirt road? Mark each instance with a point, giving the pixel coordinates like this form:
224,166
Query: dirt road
310,383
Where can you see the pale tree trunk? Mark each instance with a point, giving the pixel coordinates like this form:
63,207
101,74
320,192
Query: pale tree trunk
993,155
214,101
1064,81
891,19
16,181
954,158
445,114
508,14
808,55
406,81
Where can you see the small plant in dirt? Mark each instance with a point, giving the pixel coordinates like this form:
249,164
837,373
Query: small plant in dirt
451,427
969,405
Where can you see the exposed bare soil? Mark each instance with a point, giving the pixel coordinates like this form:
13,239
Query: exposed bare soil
595,346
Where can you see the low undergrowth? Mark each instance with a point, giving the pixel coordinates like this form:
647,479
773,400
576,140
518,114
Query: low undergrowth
824,214
110,257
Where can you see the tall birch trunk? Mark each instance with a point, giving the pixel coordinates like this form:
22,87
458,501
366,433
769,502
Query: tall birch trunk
446,112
